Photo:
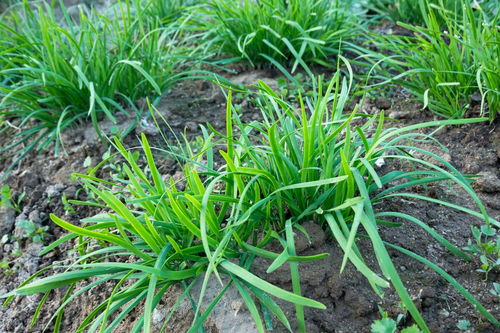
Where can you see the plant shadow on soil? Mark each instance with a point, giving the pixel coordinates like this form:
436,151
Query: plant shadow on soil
351,304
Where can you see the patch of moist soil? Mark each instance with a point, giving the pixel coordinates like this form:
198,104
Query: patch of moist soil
351,304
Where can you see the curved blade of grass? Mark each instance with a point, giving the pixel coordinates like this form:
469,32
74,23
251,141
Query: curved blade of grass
267,287
467,295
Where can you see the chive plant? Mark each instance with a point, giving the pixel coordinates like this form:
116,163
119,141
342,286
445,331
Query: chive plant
444,68
55,72
410,11
276,32
165,11
321,158
228,212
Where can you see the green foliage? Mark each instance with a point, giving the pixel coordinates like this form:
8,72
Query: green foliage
7,200
445,69
54,72
165,11
495,290
411,11
389,325
33,231
296,32
5,267
216,219
487,247
464,325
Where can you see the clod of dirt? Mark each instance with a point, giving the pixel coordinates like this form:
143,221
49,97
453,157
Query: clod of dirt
383,103
252,77
488,182
316,237
54,190
7,219
29,261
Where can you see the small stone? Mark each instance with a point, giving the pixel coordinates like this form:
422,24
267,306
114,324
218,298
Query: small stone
488,182
54,190
147,128
400,114
444,313
476,97
179,180
34,217
380,162
236,305
29,180
191,126
7,248
7,219
70,192
158,316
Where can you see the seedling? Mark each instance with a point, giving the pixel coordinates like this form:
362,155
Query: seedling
33,231
7,200
487,246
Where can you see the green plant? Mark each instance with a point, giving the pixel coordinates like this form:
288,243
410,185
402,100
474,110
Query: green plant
495,290
165,11
464,325
5,267
7,200
410,11
487,246
33,231
335,177
276,32
389,325
68,208
228,213
445,68
58,72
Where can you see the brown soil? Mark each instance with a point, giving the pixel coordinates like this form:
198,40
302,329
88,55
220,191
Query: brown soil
351,304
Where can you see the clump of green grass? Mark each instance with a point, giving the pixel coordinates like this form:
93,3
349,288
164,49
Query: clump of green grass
445,68
165,11
55,73
174,235
277,32
412,11
299,164
319,157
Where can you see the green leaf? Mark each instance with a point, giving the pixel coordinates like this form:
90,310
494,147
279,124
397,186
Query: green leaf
269,288
385,325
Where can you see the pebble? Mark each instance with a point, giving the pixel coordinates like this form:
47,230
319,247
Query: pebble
54,190
400,114
34,216
488,182
191,126
7,219
158,316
